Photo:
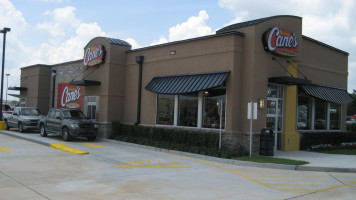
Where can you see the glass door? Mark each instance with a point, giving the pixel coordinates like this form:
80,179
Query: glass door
91,107
275,113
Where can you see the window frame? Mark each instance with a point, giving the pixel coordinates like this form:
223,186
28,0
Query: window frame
312,126
200,111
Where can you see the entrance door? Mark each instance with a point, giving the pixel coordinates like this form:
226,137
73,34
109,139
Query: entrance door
91,107
275,113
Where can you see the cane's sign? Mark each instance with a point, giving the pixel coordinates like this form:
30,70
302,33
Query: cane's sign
280,42
69,96
94,55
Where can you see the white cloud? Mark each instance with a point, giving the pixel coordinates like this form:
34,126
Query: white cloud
134,43
10,17
70,49
195,26
61,20
160,41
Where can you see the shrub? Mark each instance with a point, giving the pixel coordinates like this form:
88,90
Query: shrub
309,139
205,143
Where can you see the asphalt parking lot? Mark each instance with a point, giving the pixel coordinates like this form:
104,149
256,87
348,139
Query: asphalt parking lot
112,170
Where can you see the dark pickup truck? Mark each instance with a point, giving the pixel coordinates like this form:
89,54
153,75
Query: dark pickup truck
68,123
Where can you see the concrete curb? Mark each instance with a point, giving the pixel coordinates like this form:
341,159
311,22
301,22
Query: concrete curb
61,147
210,158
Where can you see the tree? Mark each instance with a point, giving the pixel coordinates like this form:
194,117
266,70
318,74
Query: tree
351,107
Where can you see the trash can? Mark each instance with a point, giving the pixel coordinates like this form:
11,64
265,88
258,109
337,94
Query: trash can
267,142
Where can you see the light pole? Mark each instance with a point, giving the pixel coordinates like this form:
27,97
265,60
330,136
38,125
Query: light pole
4,31
7,84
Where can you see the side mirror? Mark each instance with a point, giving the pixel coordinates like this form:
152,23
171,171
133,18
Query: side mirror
58,117
15,114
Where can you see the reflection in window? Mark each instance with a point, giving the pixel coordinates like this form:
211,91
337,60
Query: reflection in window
304,113
335,116
320,115
211,117
165,109
188,110
275,91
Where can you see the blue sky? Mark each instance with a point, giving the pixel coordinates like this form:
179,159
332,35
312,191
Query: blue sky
55,31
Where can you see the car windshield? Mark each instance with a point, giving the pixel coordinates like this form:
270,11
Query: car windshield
29,112
73,114
6,107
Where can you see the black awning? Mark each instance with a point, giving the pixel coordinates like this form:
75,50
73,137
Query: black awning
329,94
18,88
287,80
14,95
187,83
85,83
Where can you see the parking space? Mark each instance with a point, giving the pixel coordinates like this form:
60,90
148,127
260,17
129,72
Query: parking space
111,170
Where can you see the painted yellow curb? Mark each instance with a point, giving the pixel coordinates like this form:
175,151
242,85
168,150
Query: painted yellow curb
92,145
5,149
64,147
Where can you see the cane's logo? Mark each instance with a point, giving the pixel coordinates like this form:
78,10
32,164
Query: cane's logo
280,42
69,95
94,55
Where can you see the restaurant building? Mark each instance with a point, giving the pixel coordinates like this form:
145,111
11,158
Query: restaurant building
298,83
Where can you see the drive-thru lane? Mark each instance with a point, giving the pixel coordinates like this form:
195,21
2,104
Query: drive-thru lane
113,170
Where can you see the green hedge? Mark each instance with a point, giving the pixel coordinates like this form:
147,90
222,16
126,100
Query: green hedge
198,142
308,139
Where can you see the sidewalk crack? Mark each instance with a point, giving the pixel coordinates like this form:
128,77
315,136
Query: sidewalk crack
17,181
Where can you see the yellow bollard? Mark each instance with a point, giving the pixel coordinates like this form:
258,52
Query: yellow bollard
2,125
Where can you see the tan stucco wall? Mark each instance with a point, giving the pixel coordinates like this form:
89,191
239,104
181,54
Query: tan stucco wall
36,79
205,55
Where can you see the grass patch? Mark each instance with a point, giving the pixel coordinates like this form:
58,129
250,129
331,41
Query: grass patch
270,159
339,151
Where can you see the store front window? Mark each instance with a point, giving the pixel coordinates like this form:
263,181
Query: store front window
320,115
165,109
335,115
211,117
188,110
200,110
304,113
316,114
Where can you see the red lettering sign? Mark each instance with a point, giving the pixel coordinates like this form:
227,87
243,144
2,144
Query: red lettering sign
280,42
69,96
94,55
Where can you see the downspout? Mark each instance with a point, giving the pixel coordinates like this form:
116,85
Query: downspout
53,74
139,61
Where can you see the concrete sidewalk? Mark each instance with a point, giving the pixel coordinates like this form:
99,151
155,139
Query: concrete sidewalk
317,161
321,161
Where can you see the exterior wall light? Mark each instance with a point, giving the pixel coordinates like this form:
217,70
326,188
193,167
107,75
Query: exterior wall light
261,103
173,52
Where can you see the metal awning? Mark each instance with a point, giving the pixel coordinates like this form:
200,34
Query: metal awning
329,94
14,95
186,83
287,80
18,88
85,83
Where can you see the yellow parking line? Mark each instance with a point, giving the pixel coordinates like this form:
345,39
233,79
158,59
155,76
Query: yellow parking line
5,149
92,145
261,182
152,166
64,147
301,185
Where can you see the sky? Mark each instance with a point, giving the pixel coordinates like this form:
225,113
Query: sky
56,31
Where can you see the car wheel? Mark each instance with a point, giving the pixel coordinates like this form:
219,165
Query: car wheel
7,127
43,130
91,138
65,134
21,128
